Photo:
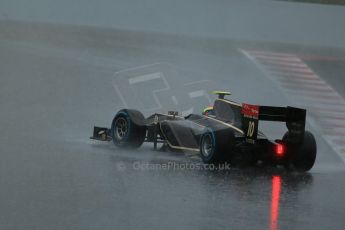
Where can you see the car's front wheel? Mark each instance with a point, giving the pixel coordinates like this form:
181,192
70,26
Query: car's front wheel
128,128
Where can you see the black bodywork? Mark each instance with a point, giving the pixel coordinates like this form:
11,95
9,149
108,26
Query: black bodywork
238,122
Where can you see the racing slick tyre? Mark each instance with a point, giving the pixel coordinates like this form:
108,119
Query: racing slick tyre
215,147
301,157
128,128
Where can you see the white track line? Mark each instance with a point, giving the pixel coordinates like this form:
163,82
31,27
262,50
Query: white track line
326,108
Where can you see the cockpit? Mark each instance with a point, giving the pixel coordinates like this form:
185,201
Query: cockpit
227,111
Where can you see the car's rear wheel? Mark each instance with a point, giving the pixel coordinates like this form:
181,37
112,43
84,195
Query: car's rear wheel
215,147
128,128
301,157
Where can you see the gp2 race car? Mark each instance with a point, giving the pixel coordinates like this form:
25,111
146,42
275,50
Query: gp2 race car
227,131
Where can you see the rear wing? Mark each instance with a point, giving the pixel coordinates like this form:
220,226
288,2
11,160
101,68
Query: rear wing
293,117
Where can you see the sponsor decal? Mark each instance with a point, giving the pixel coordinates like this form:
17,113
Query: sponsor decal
251,111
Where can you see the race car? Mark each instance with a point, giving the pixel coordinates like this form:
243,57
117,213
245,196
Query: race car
226,131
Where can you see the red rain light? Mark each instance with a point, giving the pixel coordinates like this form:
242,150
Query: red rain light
280,149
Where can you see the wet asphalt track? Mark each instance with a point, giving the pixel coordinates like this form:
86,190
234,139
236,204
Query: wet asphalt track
57,82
